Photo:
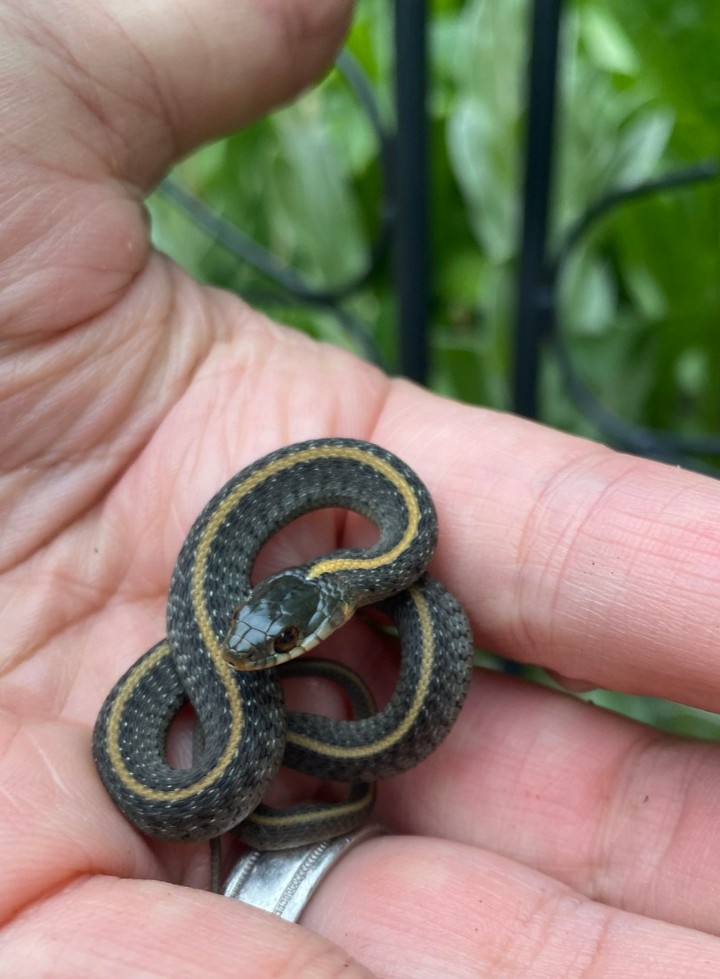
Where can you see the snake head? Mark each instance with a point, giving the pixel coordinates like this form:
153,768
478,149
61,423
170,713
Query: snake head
283,617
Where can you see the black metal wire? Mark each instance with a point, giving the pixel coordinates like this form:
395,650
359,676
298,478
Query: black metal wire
539,272
403,212
246,249
403,220
533,290
707,170
640,439
412,249
291,286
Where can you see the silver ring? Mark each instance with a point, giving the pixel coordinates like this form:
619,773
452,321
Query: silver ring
283,881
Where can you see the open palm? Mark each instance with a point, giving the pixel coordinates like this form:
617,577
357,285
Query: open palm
548,838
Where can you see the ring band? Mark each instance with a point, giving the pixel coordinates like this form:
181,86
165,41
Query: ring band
283,881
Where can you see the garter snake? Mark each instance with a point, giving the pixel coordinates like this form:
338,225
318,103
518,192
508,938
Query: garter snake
225,641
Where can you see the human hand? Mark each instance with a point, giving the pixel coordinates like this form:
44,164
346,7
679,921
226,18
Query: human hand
546,837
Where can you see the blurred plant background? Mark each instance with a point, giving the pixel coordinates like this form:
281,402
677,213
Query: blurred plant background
639,97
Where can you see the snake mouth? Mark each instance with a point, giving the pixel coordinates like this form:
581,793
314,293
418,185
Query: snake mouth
266,654
245,663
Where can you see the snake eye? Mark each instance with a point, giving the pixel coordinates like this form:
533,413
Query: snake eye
286,640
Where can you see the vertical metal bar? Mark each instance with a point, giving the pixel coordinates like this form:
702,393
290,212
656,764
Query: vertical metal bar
411,244
535,292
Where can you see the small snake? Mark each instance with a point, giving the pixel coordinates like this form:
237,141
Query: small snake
225,643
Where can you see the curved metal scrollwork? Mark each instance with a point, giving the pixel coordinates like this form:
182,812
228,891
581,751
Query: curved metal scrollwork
289,283
540,272
640,439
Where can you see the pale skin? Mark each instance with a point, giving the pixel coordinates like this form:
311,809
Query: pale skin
545,837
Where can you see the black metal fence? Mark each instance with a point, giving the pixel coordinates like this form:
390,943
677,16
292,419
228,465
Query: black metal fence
540,270
403,234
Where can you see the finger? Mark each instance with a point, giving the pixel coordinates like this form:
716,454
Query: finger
96,105
601,566
411,909
133,86
617,810
104,927
56,823
226,63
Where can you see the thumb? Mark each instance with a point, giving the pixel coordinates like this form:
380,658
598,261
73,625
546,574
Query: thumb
97,100
206,68
154,78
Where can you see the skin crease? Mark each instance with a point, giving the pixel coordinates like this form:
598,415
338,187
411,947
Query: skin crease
546,837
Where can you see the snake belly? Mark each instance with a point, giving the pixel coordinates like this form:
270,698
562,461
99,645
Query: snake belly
246,731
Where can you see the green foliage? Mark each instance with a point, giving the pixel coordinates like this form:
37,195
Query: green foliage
639,97
640,297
